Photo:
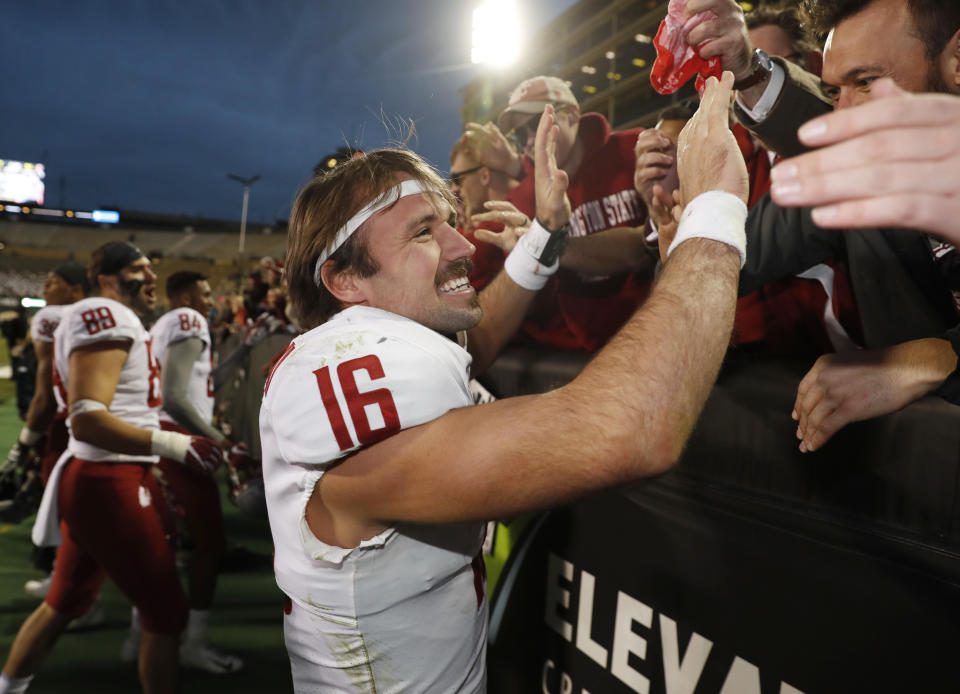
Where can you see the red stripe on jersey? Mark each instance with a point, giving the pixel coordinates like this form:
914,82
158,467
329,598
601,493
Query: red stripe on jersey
286,353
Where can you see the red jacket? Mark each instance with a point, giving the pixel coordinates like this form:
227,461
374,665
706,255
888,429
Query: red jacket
572,311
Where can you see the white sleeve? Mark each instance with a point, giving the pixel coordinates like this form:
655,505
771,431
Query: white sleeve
183,323
323,408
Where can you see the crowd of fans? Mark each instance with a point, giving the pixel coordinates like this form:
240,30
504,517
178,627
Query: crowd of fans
878,309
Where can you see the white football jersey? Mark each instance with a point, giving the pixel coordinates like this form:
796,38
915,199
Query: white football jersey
404,611
137,397
180,324
42,328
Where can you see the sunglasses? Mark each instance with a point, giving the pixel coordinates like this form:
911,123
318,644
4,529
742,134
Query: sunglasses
456,178
520,135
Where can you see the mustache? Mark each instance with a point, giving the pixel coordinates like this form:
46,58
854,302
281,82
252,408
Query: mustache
458,268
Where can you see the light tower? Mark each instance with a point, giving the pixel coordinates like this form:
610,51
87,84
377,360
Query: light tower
246,183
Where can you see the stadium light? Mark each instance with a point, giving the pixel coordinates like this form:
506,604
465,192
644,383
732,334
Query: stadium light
29,302
106,216
496,33
246,183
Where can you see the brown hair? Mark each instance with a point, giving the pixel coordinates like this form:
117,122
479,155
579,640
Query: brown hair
936,20
787,19
467,147
325,205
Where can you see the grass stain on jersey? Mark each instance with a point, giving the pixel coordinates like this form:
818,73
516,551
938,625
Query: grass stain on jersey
348,345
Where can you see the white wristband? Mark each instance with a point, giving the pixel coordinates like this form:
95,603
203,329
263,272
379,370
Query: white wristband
715,215
523,264
28,436
170,444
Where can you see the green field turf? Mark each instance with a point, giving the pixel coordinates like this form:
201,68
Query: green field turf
247,617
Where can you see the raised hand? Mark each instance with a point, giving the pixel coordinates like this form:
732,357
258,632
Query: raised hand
515,224
725,36
708,157
492,148
553,206
655,163
894,161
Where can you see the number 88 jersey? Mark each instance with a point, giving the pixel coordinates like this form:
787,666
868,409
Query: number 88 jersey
137,397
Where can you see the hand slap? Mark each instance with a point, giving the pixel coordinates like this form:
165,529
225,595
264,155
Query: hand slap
708,157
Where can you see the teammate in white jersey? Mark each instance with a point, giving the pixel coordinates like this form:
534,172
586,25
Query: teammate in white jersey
65,284
108,500
379,475
181,343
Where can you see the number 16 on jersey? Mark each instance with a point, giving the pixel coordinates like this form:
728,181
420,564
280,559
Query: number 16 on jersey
358,404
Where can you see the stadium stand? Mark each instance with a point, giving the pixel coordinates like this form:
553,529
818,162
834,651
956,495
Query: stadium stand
31,248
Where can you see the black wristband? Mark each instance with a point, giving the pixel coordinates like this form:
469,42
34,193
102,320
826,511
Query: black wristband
553,249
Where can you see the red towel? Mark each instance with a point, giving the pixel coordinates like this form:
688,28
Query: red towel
676,61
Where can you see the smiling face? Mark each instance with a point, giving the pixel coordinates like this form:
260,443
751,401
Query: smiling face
200,297
879,41
423,263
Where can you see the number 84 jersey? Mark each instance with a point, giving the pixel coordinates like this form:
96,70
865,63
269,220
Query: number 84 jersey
137,397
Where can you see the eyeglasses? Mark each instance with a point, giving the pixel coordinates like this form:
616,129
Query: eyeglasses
456,178
520,135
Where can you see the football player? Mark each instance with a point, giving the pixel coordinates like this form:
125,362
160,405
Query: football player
379,473
181,343
109,503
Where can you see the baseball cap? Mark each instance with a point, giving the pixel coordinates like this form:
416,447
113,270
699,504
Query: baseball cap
531,96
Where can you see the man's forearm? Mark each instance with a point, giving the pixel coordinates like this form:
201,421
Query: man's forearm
627,415
504,305
43,406
932,360
107,431
798,100
177,373
186,415
685,326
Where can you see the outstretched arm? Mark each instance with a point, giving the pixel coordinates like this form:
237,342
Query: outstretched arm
626,416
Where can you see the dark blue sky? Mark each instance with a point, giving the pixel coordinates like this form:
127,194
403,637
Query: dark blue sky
147,105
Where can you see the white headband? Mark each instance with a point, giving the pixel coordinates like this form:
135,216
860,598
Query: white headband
403,189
